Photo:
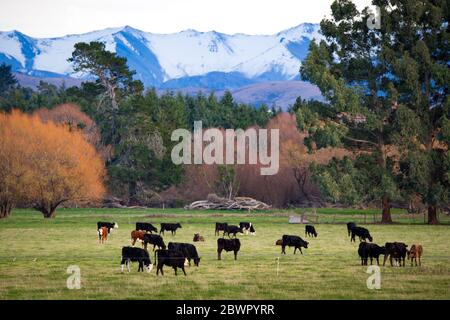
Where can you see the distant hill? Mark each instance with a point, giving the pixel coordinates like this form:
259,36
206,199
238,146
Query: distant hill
274,93
33,82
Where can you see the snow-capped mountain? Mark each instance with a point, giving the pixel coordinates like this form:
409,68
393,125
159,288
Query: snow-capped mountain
185,59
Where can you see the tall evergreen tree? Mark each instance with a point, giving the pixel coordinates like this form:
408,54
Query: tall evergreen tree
7,79
418,59
387,93
347,69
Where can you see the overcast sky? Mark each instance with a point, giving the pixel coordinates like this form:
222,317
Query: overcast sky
51,18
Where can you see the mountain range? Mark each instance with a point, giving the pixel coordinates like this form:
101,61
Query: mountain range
188,60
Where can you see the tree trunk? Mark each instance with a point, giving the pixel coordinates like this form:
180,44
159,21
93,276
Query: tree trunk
386,213
47,211
432,215
49,214
132,196
5,210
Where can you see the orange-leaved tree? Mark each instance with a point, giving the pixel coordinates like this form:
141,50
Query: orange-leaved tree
47,163
71,115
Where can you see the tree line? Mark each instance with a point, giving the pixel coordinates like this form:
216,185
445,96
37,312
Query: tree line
380,137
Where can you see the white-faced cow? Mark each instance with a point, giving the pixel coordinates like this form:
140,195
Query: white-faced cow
188,250
293,241
247,227
145,226
109,225
102,234
228,245
136,254
172,227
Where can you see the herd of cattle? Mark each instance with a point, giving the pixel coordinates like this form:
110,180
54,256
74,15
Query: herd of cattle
178,255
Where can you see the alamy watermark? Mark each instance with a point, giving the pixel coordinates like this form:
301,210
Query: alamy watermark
74,280
229,148
374,20
374,280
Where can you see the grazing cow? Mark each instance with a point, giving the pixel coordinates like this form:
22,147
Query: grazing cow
102,234
396,251
362,233
198,237
310,231
109,225
188,250
155,240
145,226
247,227
169,258
228,245
229,229
137,235
293,241
415,252
172,227
350,226
279,242
136,254
220,227
370,250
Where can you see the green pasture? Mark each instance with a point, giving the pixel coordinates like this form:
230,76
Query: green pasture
36,252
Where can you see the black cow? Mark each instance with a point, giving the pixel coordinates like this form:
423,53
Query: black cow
350,226
232,230
136,254
396,250
145,226
370,250
362,233
109,225
228,245
293,241
220,227
174,259
310,231
188,250
247,227
172,227
155,240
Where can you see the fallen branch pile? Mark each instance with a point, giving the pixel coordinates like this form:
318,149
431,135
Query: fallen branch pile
214,202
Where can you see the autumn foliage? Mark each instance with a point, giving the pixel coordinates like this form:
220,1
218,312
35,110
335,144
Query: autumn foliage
70,114
292,185
46,164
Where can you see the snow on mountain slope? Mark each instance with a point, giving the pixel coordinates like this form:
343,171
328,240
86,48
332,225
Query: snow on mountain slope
159,58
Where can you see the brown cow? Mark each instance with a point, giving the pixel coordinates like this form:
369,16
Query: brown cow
198,237
279,242
415,252
102,234
137,235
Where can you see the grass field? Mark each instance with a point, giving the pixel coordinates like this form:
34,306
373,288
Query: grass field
35,253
